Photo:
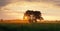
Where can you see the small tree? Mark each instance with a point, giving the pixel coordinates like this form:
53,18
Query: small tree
1,20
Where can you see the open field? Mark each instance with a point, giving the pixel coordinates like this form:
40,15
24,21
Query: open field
20,25
25,21
30,27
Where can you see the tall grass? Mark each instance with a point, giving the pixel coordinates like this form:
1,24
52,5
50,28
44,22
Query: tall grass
30,27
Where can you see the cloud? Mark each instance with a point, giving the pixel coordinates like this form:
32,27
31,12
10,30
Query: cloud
55,2
5,2
30,4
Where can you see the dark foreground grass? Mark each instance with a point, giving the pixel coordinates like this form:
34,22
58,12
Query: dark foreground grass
30,27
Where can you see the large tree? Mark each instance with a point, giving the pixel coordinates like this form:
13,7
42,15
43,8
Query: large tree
33,15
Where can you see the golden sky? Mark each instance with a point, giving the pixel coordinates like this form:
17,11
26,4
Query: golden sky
15,10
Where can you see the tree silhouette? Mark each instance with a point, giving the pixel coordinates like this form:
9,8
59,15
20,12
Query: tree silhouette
37,15
28,14
33,15
1,20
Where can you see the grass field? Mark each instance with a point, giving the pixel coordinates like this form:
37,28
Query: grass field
30,27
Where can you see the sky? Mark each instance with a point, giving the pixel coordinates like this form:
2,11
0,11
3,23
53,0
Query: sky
15,9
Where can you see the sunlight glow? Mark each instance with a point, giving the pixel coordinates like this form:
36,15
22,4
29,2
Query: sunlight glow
22,6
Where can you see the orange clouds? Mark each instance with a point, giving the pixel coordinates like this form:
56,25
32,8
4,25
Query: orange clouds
21,6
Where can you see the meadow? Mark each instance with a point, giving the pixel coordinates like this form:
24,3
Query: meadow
30,27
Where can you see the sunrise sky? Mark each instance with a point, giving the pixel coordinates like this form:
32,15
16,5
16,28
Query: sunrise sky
14,9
